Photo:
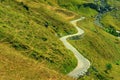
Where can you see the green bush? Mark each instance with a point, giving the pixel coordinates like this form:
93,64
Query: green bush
111,30
108,66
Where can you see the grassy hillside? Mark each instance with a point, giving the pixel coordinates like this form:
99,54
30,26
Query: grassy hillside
111,20
82,7
34,32
102,49
14,66
29,40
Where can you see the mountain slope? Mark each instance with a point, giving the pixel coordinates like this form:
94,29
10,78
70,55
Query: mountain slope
30,32
34,32
15,66
100,47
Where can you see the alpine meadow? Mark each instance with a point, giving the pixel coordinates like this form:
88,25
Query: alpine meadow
59,39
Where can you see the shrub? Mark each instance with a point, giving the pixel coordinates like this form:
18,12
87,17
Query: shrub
108,66
44,39
24,6
111,30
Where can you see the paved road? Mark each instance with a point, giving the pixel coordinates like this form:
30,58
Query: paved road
83,64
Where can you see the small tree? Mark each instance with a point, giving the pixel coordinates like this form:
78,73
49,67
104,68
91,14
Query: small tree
108,66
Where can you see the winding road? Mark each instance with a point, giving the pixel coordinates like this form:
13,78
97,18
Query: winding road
83,64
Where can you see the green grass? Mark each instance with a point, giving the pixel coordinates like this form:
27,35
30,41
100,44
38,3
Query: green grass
78,7
25,30
14,66
111,19
29,40
100,48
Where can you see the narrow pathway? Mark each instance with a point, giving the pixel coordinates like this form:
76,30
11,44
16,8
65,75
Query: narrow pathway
83,64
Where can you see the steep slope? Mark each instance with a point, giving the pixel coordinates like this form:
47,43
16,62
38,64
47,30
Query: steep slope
14,66
100,47
33,28
83,64
34,32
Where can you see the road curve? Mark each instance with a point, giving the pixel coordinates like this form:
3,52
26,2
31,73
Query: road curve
83,64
